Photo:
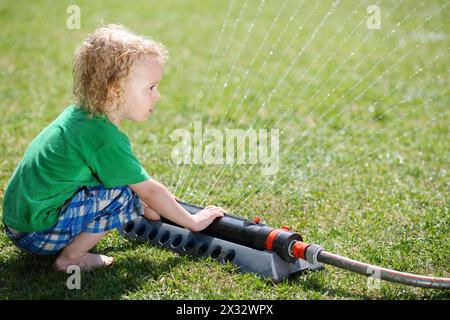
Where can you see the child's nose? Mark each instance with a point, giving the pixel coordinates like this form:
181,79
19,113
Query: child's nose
157,96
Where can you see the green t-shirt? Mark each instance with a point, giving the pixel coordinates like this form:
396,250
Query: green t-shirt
73,151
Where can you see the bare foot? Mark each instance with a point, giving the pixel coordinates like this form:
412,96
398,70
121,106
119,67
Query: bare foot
87,261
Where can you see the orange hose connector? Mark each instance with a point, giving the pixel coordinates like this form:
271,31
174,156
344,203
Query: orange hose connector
299,249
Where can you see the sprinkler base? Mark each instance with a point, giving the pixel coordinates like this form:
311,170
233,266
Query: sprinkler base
184,242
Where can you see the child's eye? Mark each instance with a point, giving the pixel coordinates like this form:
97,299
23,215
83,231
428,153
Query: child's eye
151,88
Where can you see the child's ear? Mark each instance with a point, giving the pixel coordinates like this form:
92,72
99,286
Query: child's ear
114,95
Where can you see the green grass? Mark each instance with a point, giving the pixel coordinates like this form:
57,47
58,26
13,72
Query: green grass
376,192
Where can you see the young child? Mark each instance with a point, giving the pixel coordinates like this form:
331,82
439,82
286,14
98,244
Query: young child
79,178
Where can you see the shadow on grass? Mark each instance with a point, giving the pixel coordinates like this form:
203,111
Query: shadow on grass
309,282
26,276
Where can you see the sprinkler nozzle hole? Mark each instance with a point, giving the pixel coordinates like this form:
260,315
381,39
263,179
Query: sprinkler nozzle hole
177,241
128,227
152,234
140,231
164,237
229,256
216,252
189,246
202,249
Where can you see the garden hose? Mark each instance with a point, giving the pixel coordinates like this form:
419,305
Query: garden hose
314,253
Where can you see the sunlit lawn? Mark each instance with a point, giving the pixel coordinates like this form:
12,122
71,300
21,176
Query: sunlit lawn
364,131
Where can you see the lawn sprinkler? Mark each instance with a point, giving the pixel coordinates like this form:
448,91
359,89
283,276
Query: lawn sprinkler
275,253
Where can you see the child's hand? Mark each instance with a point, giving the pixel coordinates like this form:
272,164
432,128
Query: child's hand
205,217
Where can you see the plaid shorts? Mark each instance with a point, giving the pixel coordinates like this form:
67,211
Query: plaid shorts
91,209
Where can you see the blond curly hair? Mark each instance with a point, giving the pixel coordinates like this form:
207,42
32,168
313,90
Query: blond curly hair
102,64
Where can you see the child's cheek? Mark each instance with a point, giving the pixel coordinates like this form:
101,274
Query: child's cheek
144,96
136,98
